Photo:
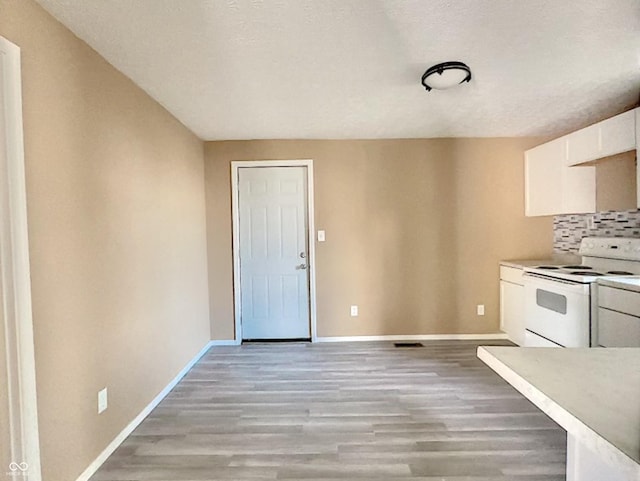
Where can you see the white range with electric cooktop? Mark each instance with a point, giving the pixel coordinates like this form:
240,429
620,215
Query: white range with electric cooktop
560,302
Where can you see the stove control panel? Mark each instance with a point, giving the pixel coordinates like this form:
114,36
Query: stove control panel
611,248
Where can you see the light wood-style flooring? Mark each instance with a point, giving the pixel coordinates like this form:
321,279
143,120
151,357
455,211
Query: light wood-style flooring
342,411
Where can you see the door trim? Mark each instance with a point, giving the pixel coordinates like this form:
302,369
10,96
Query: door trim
235,165
16,279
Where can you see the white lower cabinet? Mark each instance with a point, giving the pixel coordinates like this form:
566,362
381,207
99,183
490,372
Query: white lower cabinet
512,304
618,322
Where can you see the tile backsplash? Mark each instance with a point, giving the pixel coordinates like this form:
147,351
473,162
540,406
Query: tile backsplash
569,229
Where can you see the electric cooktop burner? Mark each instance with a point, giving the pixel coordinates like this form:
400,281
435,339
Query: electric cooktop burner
583,271
598,258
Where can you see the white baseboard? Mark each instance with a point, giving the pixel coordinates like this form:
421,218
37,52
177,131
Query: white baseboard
117,441
225,342
412,337
419,337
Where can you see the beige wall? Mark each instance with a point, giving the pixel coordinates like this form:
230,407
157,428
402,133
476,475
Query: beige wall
415,230
115,199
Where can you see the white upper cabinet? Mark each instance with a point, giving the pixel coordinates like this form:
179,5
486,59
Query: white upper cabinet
609,137
583,145
543,167
618,134
578,190
552,187
555,180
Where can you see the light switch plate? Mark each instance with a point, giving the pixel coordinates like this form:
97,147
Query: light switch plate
321,236
103,401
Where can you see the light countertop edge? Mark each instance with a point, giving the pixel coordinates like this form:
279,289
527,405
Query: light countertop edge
522,263
626,283
556,260
596,443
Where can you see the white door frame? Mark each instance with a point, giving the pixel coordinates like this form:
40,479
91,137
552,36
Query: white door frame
235,212
16,279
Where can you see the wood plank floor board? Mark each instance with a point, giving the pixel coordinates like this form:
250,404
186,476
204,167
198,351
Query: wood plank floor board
343,411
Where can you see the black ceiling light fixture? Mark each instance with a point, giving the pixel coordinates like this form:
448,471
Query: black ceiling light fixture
446,75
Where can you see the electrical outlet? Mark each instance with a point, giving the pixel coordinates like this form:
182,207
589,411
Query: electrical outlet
480,309
103,401
354,311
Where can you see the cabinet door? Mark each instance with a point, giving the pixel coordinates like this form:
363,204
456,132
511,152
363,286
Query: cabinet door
543,178
609,137
618,330
512,311
618,134
621,300
578,190
583,145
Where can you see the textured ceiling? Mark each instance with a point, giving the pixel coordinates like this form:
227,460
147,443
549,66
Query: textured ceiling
277,69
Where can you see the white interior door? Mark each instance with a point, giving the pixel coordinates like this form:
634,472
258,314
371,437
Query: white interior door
273,241
5,431
6,457
19,439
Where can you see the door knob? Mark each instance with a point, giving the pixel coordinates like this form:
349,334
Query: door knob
302,266
303,255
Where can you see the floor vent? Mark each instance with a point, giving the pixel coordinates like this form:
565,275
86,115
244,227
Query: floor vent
408,344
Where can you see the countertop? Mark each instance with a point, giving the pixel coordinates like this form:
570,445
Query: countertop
556,260
592,393
628,283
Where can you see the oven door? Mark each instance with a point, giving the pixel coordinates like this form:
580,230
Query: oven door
533,340
557,310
